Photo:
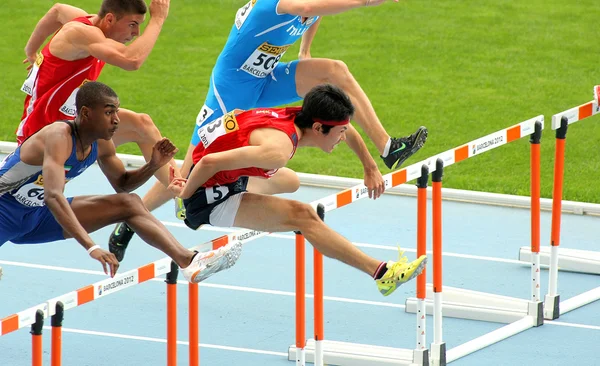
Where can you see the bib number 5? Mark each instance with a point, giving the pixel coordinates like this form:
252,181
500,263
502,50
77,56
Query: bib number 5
214,194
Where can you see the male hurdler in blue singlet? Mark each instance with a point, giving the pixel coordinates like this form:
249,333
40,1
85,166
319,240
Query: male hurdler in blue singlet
248,74
33,208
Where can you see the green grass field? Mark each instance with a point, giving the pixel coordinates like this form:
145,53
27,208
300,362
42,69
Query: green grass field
462,68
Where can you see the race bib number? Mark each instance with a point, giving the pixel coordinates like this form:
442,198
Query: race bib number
263,60
243,13
32,194
219,127
68,108
29,83
205,112
214,194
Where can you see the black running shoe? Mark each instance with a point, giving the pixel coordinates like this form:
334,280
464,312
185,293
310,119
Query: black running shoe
403,147
119,240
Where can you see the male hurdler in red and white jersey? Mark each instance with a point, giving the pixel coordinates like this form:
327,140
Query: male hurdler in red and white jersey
51,88
80,46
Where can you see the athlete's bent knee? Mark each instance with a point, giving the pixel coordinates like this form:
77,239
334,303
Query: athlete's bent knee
338,72
146,128
302,215
130,203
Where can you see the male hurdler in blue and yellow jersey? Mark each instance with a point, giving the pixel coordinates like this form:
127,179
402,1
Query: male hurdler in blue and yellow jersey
24,218
248,73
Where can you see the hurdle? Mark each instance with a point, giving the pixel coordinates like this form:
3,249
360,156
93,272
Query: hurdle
573,260
55,307
353,354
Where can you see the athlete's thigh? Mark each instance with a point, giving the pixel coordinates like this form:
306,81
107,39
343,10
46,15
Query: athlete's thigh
96,212
265,213
312,72
38,225
280,87
284,181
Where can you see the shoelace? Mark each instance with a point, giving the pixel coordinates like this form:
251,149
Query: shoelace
399,265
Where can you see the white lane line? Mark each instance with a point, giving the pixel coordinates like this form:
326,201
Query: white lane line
162,340
362,245
210,285
572,325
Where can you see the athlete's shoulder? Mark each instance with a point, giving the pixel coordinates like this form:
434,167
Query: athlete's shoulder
77,29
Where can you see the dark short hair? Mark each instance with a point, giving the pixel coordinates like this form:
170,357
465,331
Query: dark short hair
121,8
93,93
325,102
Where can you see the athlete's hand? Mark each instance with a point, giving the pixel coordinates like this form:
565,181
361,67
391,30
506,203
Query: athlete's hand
107,259
374,182
177,185
30,60
162,152
159,9
304,55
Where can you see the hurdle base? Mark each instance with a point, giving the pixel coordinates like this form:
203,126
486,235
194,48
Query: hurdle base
551,307
475,305
570,260
356,354
438,354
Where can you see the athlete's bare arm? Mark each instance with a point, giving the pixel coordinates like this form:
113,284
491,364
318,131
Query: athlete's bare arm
307,39
76,41
56,17
310,8
271,154
58,147
373,179
123,180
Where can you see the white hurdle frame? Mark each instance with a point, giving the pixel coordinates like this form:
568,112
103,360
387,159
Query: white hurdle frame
582,261
353,354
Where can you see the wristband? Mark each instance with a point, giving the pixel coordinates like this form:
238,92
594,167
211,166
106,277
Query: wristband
93,248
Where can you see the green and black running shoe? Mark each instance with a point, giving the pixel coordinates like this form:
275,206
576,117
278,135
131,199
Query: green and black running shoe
403,148
119,240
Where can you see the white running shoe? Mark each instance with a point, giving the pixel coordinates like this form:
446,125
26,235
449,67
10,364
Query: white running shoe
597,94
206,264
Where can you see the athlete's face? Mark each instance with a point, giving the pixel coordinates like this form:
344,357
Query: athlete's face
126,28
104,119
327,142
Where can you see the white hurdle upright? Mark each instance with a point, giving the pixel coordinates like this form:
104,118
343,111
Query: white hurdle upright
573,260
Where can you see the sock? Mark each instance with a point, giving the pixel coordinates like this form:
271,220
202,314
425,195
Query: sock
380,271
386,149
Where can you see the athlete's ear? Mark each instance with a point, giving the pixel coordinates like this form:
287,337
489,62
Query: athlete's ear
316,127
110,18
85,112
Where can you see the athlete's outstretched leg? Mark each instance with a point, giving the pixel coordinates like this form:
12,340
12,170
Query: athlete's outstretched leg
273,214
95,212
312,72
284,181
157,196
